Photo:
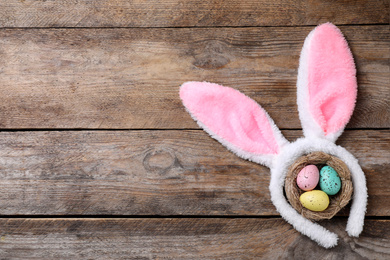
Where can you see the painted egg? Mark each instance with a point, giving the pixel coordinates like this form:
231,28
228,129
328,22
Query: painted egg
315,200
330,181
307,178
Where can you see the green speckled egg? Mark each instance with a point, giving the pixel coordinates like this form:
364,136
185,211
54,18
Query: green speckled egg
330,182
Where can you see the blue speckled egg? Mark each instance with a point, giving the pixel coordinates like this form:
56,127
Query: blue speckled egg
330,182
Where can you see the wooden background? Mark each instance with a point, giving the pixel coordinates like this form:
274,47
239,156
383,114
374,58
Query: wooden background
99,159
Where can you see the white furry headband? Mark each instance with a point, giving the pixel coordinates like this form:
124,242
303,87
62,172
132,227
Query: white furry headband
326,92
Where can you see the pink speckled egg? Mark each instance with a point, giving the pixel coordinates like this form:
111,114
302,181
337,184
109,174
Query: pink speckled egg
307,178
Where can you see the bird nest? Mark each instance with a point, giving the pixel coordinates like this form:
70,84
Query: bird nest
336,202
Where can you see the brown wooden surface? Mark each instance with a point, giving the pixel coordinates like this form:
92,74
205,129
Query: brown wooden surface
124,78
155,173
129,175
179,13
187,238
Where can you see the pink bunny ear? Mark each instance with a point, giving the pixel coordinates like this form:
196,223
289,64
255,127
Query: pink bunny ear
327,86
234,119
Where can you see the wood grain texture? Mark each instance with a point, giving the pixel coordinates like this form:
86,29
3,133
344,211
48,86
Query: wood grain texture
155,173
190,238
179,13
112,69
129,78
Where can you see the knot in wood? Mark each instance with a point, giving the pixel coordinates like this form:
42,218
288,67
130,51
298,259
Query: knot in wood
159,161
211,54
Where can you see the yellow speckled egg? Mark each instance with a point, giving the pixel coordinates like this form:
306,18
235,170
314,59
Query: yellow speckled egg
315,200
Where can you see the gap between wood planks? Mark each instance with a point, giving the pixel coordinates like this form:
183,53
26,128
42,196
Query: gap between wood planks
183,27
4,130
167,217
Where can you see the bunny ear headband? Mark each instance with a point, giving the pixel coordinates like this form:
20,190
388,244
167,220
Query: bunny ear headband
326,92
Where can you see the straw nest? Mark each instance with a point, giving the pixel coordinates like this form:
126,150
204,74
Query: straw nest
336,202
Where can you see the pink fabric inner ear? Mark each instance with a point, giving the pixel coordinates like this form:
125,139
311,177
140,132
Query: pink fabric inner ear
230,115
332,81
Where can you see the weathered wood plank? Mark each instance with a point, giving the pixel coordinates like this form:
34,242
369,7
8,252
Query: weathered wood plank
176,13
129,78
155,173
189,238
